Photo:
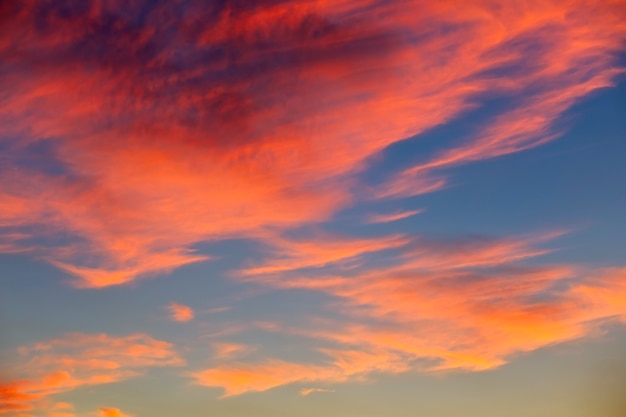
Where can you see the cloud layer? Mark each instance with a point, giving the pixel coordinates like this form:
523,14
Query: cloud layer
77,360
132,133
469,305
135,134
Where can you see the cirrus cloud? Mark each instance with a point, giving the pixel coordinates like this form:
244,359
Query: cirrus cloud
247,119
76,360
466,305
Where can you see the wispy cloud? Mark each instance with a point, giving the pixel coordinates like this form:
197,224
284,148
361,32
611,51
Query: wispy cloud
111,412
223,350
63,406
215,149
217,310
308,391
62,409
321,249
460,305
239,378
133,134
392,217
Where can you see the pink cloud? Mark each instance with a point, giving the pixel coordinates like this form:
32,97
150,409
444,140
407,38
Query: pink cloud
392,217
202,157
308,391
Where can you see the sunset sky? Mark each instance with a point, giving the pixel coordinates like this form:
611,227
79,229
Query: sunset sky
342,208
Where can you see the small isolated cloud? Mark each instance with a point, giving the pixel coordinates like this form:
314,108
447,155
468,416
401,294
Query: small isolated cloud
392,217
111,412
180,312
307,391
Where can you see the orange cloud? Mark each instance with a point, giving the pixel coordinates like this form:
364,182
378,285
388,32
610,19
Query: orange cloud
239,378
62,409
236,145
322,250
14,398
111,412
308,391
462,305
229,350
555,49
180,312
78,360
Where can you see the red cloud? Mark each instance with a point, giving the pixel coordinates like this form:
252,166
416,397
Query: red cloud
244,119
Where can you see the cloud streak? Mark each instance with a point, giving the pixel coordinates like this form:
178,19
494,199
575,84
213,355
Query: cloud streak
308,391
392,217
322,249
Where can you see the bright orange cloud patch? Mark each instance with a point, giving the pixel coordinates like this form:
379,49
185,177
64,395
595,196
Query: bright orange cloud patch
180,312
230,350
271,136
111,412
239,378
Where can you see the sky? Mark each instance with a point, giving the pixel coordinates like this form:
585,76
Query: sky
299,208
